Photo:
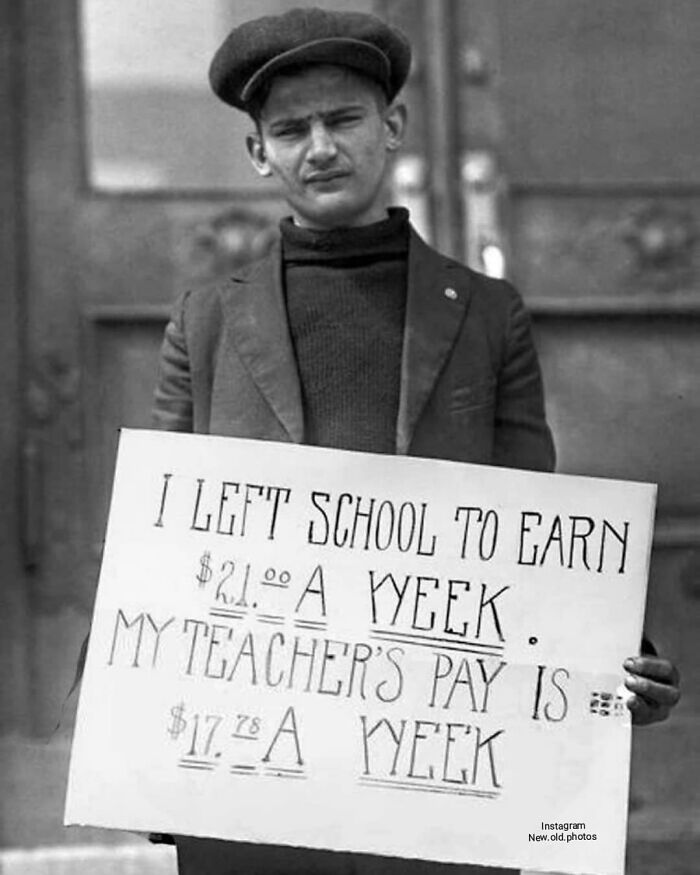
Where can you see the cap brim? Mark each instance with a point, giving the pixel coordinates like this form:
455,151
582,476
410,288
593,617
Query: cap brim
361,56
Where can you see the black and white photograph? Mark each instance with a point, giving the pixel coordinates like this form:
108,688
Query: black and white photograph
351,386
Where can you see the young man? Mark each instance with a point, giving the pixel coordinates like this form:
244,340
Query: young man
352,332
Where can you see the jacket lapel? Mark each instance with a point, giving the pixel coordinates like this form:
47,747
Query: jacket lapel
437,299
256,315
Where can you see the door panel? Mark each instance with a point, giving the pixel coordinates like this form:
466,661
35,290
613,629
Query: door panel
580,246
599,92
640,397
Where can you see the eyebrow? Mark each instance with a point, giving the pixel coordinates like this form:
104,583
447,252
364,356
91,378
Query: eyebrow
336,111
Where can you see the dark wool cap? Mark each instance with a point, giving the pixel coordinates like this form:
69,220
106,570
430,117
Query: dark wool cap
256,50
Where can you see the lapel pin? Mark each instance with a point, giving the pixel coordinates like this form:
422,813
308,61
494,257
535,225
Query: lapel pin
451,294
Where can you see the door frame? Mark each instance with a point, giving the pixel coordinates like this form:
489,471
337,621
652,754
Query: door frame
14,702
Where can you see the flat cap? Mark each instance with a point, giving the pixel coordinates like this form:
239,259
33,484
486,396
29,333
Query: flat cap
255,51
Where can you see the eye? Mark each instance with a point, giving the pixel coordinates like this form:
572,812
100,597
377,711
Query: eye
346,119
289,131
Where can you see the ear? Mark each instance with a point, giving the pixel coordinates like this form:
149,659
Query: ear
395,118
256,153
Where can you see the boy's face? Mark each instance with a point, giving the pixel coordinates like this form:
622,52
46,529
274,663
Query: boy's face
325,134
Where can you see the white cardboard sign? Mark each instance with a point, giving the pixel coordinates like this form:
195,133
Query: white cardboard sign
384,654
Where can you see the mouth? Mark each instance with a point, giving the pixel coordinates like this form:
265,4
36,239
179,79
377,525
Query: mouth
325,176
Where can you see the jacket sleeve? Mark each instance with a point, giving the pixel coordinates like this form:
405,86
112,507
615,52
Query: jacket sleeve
522,436
173,405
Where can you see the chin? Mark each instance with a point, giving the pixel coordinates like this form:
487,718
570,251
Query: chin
339,214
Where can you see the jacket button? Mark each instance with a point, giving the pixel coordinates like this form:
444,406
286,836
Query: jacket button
451,294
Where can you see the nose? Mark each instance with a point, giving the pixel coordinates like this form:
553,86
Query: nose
322,148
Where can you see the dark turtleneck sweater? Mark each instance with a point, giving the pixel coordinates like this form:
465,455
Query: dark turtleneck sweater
346,297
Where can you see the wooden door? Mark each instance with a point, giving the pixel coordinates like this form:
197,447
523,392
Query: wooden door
128,182
589,113
559,145
101,236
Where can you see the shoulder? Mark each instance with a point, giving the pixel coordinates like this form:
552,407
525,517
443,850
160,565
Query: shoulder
495,299
204,305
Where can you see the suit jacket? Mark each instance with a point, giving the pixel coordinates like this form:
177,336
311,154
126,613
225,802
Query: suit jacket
470,380
470,391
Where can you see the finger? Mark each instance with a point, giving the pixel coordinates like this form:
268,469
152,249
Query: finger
644,714
653,692
653,667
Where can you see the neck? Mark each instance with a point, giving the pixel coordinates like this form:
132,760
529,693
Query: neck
388,237
375,214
